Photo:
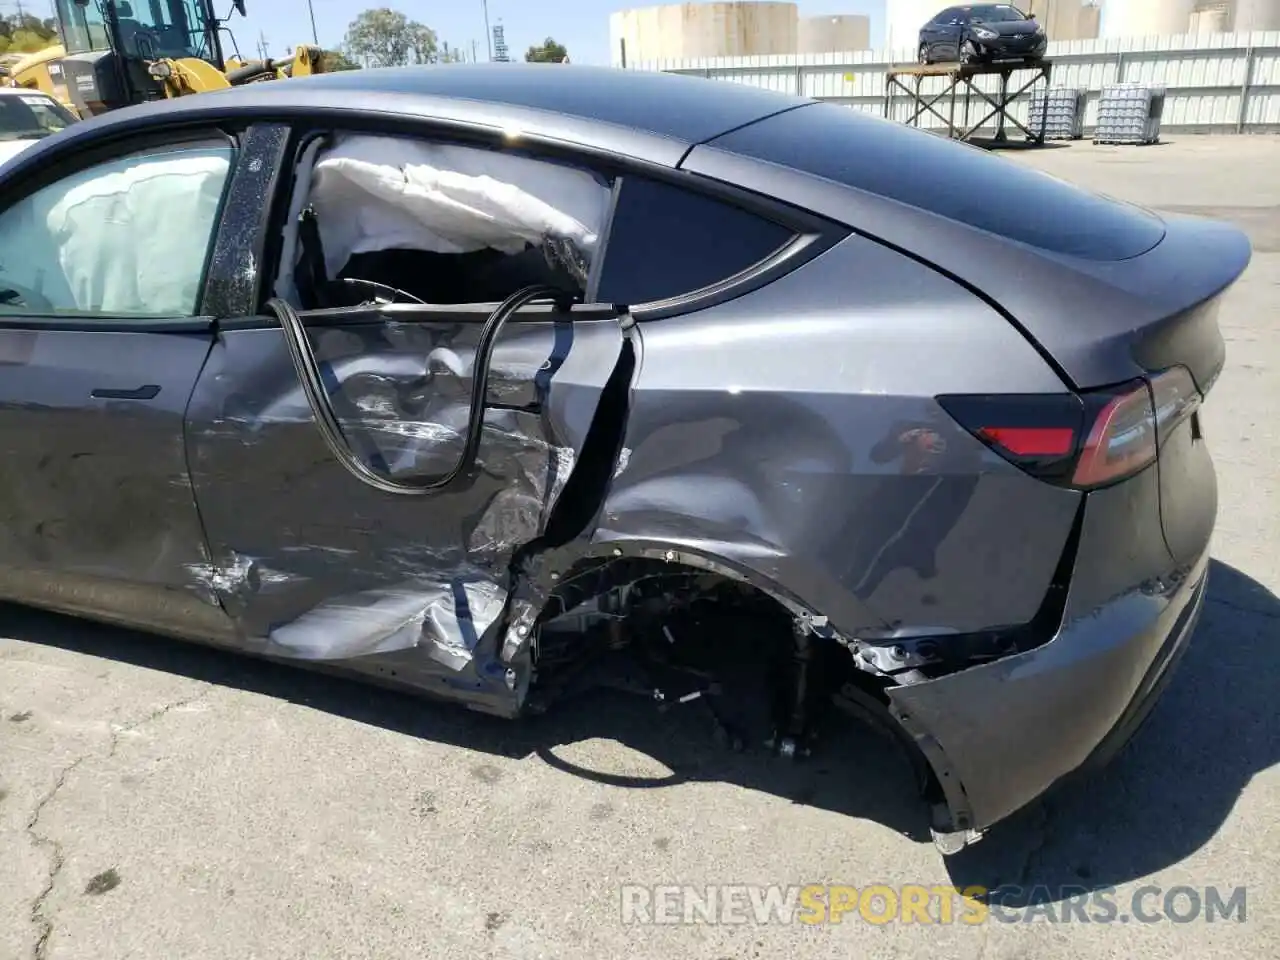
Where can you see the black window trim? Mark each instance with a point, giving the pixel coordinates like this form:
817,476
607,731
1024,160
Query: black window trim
229,255
68,162
813,233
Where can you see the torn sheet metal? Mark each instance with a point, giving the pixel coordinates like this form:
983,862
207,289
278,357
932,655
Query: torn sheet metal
445,619
341,571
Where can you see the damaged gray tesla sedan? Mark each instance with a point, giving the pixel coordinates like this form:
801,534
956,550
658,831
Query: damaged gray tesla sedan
471,379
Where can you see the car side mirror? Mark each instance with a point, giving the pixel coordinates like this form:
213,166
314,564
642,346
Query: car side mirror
124,9
1031,16
239,5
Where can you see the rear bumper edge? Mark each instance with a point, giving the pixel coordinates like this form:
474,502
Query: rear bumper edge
1002,734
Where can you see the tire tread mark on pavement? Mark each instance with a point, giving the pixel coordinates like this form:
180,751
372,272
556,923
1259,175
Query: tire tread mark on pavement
57,856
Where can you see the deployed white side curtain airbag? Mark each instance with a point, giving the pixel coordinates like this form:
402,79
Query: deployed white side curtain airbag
382,193
134,240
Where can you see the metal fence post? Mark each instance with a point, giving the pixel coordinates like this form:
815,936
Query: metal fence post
1244,86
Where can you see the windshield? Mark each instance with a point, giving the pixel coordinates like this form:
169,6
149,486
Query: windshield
995,14
31,116
149,29
83,28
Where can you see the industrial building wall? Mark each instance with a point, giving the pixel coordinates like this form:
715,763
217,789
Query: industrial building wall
834,34
727,29
1227,82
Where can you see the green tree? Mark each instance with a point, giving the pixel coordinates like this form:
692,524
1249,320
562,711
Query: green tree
27,33
335,60
547,52
25,41
387,38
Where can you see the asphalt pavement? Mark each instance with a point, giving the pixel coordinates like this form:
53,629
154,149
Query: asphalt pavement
161,801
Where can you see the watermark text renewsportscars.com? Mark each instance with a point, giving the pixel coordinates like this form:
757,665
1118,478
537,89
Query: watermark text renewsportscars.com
881,904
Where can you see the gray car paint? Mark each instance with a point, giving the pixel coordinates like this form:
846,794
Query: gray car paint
783,456
342,570
102,521
1001,734
832,360
1070,306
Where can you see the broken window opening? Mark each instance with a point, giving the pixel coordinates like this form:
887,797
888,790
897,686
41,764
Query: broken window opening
407,220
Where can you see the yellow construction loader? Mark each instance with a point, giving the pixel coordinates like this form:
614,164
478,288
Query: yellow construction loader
116,53
31,70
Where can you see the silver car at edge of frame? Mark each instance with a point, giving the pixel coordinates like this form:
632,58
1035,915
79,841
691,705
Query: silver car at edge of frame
26,118
472,380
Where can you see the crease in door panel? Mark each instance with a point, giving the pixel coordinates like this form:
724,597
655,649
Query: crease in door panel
441,597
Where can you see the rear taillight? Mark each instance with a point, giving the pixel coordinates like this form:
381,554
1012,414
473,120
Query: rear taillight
1085,441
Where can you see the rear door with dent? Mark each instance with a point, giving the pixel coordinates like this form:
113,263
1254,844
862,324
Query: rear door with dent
315,564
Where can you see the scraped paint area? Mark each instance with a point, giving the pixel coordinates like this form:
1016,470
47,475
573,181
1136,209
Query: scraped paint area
445,618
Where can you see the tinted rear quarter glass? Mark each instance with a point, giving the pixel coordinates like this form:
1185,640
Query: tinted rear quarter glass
665,242
954,180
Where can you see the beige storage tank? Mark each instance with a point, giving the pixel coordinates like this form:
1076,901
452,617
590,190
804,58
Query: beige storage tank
834,34
1090,21
683,31
1253,15
903,20
1146,18
1210,18
1064,19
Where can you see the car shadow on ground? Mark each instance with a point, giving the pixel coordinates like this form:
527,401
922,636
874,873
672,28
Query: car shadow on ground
1015,141
1162,799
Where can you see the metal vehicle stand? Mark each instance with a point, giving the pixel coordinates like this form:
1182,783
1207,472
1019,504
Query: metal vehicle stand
960,76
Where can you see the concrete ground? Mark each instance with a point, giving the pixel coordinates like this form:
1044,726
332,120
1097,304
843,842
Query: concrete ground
161,801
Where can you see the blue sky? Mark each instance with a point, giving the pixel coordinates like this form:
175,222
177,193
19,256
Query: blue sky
581,25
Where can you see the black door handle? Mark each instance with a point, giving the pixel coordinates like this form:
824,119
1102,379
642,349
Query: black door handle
145,392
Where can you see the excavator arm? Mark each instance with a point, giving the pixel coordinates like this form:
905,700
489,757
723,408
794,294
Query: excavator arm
180,78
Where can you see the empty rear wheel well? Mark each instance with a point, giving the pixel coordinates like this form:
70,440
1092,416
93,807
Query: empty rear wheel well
761,655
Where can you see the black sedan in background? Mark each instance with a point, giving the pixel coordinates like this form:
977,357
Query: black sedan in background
982,34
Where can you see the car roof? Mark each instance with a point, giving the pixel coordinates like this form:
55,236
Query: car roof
672,105
678,110
23,92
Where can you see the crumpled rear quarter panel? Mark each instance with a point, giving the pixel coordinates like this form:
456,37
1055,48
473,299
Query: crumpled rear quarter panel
793,434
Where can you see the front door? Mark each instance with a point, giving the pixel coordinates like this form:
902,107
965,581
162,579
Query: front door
316,564
101,344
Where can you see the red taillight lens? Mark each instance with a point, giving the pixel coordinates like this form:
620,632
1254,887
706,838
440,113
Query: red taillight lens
1032,441
1083,442
1121,441
1038,432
